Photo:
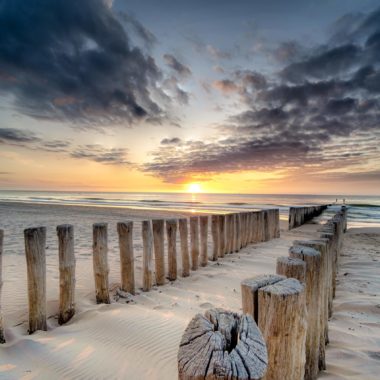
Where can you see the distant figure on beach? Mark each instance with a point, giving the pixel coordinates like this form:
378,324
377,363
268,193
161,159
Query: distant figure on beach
344,201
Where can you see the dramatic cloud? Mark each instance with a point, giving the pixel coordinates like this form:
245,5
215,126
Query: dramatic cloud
176,65
97,153
11,135
69,60
172,141
305,117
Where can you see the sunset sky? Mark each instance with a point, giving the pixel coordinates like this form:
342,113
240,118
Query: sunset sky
234,96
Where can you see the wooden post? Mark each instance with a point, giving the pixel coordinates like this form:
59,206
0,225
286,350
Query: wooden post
159,254
171,231
147,236
283,325
66,255
184,236
250,227
100,262
249,292
222,235
222,345
232,232
215,236
228,234
203,221
237,232
194,239
2,338
35,242
291,267
127,260
313,289
261,226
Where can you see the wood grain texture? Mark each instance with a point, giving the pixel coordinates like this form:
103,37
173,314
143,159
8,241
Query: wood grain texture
194,240
203,225
171,232
291,267
222,235
127,259
158,226
147,237
184,237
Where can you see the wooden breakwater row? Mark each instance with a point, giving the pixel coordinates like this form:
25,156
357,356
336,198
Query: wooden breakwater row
287,314
301,215
229,233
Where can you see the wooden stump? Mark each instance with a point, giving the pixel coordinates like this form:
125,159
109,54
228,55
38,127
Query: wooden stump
222,345
283,325
215,236
171,230
222,235
35,242
158,227
66,255
147,236
2,338
127,260
100,262
203,223
313,290
249,292
291,267
184,236
194,238
321,246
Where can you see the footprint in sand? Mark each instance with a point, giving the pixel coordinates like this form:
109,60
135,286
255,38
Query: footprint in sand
206,305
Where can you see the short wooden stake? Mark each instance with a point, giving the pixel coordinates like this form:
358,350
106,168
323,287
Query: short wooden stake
222,235
100,262
171,231
158,226
35,242
194,239
127,260
147,236
215,236
203,222
282,322
2,338
184,237
66,255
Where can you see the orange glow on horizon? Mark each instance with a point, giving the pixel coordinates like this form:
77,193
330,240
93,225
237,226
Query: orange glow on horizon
194,188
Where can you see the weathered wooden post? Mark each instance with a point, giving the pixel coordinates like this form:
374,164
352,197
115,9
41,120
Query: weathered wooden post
100,262
237,232
291,267
313,290
228,234
35,242
203,222
261,226
184,236
250,226
222,235
222,345
127,260
282,322
194,238
66,255
147,236
232,233
171,230
2,338
159,254
215,236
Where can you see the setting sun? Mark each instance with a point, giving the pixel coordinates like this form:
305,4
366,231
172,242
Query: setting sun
194,188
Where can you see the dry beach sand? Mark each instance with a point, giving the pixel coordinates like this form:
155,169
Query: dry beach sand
139,339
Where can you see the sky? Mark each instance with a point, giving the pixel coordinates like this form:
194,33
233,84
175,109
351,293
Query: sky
237,96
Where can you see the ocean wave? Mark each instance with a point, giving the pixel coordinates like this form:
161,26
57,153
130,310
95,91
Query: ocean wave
363,205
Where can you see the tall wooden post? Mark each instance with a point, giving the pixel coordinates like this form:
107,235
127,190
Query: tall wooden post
237,232
147,236
127,260
313,290
158,242
2,338
100,262
66,255
203,221
184,236
222,235
282,322
35,242
171,231
194,238
215,236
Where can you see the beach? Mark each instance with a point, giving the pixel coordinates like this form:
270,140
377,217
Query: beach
138,338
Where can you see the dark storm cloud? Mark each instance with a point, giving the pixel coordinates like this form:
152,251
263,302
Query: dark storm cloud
97,153
11,135
70,60
172,141
305,116
176,65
